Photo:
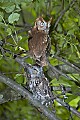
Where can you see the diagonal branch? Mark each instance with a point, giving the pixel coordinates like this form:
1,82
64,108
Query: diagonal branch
68,107
21,62
25,93
19,25
8,94
68,63
59,72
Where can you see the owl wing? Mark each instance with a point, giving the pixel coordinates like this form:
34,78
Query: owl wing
37,43
43,92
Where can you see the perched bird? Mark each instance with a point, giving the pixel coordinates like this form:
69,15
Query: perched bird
39,41
38,84
43,92
34,74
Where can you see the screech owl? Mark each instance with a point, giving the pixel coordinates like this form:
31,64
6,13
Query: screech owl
43,92
34,74
39,41
38,84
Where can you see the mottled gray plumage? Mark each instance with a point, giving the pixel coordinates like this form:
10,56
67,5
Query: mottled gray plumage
38,84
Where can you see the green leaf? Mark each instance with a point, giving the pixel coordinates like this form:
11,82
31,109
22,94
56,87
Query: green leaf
20,37
19,78
7,6
17,8
1,56
17,75
9,9
62,81
74,101
70,98
13,17
70,32
59,28
9,31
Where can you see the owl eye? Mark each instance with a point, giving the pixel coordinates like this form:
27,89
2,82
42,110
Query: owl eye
42,23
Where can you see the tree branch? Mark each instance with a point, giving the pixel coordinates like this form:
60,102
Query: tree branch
60,72
17,32
25,93
20,26
54,69
77,9
21,61
8,95
68,107
68,63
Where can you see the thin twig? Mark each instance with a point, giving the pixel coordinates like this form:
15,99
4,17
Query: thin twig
62,4
77,9
63,12
48,7
17,32
59,72
68,63
68,107
8,94
20,26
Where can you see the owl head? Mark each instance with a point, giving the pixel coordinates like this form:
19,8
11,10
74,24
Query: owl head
42,25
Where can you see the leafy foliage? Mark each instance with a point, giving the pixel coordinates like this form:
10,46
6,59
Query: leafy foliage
19,15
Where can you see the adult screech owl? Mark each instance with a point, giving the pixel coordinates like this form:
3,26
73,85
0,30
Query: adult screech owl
38,84
39,41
